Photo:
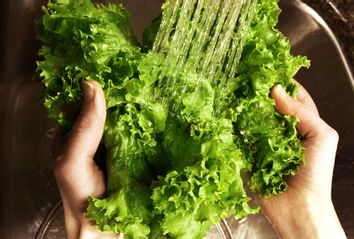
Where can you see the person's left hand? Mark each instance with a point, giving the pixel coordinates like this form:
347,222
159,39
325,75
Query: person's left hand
77,175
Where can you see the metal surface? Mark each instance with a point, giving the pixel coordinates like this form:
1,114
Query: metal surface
29,201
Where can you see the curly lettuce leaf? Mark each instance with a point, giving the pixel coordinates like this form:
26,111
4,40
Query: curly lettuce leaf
266,61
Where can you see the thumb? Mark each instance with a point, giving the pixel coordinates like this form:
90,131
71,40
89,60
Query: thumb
310,125
85,136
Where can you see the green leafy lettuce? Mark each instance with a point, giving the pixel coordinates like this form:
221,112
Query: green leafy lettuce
188,117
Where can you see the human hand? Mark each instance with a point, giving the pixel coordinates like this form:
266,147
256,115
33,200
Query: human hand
77,175
305,209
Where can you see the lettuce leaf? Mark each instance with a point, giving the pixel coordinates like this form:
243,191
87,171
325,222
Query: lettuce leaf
187,117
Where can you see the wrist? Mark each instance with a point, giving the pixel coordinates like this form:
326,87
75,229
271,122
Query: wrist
307,218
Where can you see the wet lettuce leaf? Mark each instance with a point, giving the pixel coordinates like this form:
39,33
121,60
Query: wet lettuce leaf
185,122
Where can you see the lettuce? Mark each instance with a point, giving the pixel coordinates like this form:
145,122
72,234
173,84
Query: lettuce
187,117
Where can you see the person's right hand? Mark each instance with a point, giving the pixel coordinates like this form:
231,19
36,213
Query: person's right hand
305,209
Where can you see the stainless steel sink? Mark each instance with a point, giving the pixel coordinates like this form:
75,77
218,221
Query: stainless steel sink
30,204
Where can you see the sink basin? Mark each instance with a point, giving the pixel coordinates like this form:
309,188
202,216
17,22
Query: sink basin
30,204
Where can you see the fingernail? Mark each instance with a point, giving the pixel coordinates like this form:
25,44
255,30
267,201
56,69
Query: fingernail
280,90
89,91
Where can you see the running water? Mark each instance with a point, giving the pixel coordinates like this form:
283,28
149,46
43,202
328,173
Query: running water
205,37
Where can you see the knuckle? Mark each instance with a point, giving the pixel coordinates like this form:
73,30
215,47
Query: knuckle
61,167
85,122
296,109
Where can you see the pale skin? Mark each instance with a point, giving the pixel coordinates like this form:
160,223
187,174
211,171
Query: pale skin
305,210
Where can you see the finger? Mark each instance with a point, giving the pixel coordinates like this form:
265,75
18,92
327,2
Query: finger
310,125
85,136
304,97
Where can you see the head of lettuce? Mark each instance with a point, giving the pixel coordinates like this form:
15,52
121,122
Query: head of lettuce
188,117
